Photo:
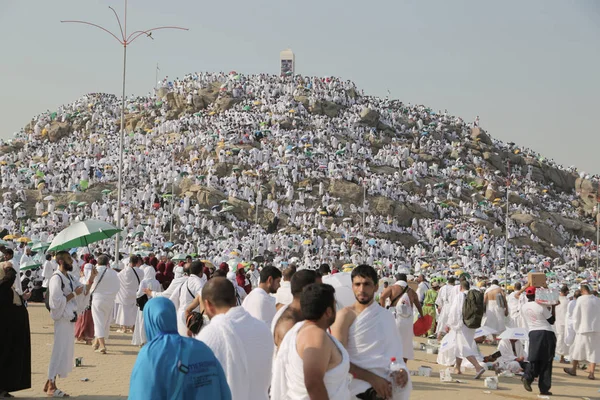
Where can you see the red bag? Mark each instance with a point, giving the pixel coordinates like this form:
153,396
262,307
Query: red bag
422,325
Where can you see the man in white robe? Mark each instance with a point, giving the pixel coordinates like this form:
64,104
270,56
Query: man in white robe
186,293
179,279
515,301
65,302
103,294
129,278
496,308
560,324
242,344
284,293
259,303
254,276
586,346
369,334
443,301
512,355
310,362
465,337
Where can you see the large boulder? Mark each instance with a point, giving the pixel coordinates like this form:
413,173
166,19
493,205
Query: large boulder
58,130
495,160
328,108
525,219
546,233
384,206
224,103
369,117
478,134
586,190
347,191
208,197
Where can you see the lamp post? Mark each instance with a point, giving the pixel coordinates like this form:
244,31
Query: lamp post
506,225
124,40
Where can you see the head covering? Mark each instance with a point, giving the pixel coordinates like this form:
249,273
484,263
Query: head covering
231,277
159,318
224,266
156,374
530,291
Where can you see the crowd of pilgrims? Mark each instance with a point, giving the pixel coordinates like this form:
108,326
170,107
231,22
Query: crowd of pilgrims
284,160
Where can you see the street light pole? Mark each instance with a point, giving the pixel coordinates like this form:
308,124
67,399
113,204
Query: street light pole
597,235
506,226
124,40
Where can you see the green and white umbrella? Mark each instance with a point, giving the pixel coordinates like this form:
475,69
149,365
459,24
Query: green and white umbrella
179,257
41,246
31,264
83,233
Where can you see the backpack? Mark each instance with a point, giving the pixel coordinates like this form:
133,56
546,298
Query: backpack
473,309
47,299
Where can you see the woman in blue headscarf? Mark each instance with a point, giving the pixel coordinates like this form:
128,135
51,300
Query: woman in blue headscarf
171,366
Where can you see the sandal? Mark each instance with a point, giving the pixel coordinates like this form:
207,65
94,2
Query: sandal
569,371
102,350
480,373
5,395
591,377
58,393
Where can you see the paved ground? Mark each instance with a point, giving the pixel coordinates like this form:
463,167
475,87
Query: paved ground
109,374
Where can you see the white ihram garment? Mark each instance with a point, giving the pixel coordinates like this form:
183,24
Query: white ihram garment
465,337
260,305
404,323
149,282
560,326
586,318
288,372
129,284
244,347
373,340
62,312
183,297
105,289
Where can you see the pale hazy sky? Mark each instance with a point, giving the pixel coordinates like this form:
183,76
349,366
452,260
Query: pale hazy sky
529,68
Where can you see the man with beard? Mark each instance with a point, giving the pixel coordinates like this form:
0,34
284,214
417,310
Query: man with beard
368,331
64,298
259,303
311,363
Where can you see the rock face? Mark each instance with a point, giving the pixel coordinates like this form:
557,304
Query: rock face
495,160
346,190
58,130
587,194
224,103
525,219
478,134
369,117
328,108
547,233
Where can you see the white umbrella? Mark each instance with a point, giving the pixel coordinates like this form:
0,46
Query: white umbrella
515,333
17,205
484,331
49,198
342,282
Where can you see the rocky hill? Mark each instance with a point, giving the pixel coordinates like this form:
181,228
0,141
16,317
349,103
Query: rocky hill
315,146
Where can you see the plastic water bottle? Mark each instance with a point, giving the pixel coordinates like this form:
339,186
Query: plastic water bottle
395,367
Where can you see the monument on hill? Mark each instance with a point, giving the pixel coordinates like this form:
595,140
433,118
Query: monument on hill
287,62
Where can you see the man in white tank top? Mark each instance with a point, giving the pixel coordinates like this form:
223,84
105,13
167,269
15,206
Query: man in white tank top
311,363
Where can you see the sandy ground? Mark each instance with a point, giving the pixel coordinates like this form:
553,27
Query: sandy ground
109,374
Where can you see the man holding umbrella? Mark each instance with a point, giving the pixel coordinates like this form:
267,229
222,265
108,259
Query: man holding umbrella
64,297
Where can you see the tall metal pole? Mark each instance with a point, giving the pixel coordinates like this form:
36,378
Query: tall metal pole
172,206
597,237
364,208
156,77
506,227
124,40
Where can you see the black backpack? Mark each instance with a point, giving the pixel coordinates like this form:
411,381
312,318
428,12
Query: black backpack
47,299
473,309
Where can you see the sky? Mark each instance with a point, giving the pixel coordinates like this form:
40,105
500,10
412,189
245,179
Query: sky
529,69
